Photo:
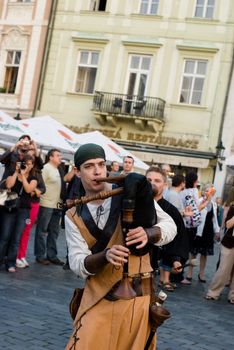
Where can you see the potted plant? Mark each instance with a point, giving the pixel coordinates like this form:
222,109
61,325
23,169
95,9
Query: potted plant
2,90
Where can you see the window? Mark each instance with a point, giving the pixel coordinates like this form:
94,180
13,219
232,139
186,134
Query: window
193,81
98,5
12,69
149,7
87,70
205,8
138,75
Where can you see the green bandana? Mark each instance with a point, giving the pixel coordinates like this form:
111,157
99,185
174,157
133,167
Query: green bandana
88,151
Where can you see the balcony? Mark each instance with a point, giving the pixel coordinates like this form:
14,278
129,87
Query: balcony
145,111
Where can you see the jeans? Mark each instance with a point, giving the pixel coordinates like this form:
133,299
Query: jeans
47,232
12,224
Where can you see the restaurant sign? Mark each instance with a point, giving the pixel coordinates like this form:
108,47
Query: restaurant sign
158,138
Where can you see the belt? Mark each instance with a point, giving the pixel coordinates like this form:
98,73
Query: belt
141,284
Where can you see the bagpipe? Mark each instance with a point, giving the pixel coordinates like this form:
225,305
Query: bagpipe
137,203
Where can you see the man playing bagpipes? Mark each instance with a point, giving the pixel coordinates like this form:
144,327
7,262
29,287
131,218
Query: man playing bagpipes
100,236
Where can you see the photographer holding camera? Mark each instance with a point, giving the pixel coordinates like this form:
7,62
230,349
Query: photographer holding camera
21,261
23,181
25,145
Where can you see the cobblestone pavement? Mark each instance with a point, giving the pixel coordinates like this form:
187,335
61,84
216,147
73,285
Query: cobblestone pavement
34,310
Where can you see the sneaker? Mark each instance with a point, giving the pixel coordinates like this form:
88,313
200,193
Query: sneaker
20,264
25,262
11,269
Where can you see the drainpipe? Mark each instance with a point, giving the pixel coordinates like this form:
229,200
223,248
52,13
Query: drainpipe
226,99
48,40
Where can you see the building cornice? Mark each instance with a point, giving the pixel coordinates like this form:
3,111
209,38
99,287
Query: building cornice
144,17
197,46
90,37
203,20
142,42
94,13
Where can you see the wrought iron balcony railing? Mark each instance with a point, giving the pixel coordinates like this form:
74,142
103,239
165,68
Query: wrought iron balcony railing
121,105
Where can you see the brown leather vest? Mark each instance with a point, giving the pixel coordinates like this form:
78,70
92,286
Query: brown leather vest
98,285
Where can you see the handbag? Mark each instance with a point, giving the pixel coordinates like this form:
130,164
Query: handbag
75,302
10,200
3,196
3,193
195,220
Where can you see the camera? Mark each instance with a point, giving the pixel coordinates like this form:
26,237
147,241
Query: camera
22,165
26,142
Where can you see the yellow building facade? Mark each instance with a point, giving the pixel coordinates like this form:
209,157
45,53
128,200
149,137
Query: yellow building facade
152,75
23,34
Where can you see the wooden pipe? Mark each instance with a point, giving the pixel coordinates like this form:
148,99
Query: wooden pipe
112,179
86,199
158,315
125,290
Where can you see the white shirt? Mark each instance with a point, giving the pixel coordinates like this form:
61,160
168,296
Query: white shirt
78,248
52,179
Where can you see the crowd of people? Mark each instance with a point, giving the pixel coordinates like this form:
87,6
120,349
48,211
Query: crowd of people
38,188
175,224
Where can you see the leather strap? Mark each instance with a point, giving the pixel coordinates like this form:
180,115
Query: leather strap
77,220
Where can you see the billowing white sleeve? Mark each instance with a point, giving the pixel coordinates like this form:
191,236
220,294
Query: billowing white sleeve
77,249
166,224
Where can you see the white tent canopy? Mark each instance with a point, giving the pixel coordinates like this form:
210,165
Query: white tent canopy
10,130
111,148
49,133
